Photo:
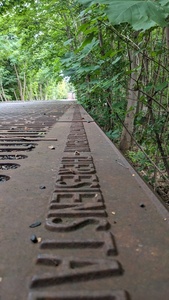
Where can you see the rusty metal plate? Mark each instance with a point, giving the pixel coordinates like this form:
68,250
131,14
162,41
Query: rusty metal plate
8,166
12,157
95,241
83,295
77,218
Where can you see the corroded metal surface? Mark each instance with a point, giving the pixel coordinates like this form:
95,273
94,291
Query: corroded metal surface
81,221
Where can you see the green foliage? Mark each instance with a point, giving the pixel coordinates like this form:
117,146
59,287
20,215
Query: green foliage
31,44
62,90
138,13
138,158
114,135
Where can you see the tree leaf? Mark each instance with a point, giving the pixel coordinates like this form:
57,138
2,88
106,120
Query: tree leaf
89,47
164,2
116,60
161,86
138,13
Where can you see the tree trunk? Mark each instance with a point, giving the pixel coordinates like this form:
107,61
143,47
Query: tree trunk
15,95
30,93
159,142
126,137
19,83
24,86
1,98
41,92
167,37
3,93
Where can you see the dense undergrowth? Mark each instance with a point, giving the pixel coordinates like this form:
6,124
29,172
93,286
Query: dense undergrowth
136,156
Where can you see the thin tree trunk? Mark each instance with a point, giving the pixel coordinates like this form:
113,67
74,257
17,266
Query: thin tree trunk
19,83
40,92
159,142
126,137
30,93
24,86
15,95
3,93
1,97
167,37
